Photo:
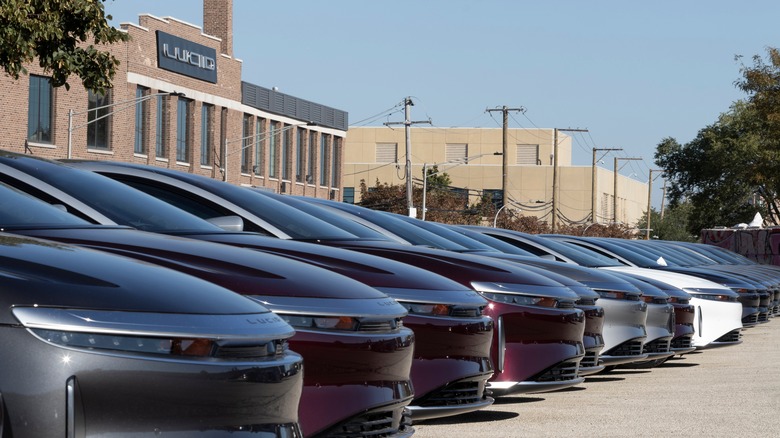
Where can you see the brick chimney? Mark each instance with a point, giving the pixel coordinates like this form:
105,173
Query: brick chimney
218,22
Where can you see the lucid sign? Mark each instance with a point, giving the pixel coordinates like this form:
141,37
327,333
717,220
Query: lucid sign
185,57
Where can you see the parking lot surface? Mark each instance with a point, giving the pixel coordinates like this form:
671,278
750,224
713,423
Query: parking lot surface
726,392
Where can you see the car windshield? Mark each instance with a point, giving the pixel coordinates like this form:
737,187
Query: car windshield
19,210
295,223
328,216
121,204
409,232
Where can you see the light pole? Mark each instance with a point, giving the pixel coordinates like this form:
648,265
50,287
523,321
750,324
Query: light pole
615,189
123,105
495,218
223,164
455,163
649,197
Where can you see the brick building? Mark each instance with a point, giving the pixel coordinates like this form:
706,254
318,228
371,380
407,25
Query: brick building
179,101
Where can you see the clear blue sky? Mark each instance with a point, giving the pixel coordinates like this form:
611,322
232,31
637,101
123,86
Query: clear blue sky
632,73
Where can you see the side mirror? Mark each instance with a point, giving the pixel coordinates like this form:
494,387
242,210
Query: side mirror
228,223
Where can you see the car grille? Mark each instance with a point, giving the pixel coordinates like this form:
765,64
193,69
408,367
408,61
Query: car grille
559,373
628,348
242,352
763,317
466,312
374,425
377,326
657,346
565,304
750,319
458,393
591,359
732,336
683,342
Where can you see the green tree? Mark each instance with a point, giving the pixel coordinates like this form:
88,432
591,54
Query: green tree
61,35
674,225
726,173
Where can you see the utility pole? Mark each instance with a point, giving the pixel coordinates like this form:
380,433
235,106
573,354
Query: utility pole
408,123
615,190
663,198
649,194
505,146
555,174
593,217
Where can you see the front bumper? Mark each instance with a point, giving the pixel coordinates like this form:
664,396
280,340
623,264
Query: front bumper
50,390
530,342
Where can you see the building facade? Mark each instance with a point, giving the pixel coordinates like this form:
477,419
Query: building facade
179,101
475,159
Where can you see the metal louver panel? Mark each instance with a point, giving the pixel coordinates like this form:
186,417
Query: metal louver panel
528,154
386,152
456,151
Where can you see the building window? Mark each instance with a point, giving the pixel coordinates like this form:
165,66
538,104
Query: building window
182,129
286,152
311,163
259,147
324,159
97,120
335,171
528,155
273,151
495,196
300,135
206,146
246,143
39,111
161,137
348,195
386,152
139,145
456,152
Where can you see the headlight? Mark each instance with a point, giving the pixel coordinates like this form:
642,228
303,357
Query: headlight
618,295
223,337
439,309
197,347
654,300
345,323
715,297
677,300
523,300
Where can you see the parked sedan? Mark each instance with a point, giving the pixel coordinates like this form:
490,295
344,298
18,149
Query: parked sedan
525,357
718,314
358,353
101,345
451,364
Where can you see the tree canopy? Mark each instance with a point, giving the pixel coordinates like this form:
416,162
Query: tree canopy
61,35
730,170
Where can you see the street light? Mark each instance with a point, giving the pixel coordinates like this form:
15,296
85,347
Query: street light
223,164
125,104
455,163
495,218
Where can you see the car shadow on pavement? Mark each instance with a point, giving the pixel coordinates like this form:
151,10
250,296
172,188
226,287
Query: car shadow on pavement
678,365
599,379
569,389
516,399
480,416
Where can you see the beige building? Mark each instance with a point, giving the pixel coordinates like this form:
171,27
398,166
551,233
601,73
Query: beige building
467,155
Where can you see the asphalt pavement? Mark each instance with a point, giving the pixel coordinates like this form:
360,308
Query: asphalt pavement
723,392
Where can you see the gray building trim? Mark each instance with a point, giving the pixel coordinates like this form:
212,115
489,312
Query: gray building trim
285,105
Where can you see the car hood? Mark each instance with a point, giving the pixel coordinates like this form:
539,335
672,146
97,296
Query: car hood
466,269
682,281
41,273
387,275
240,270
